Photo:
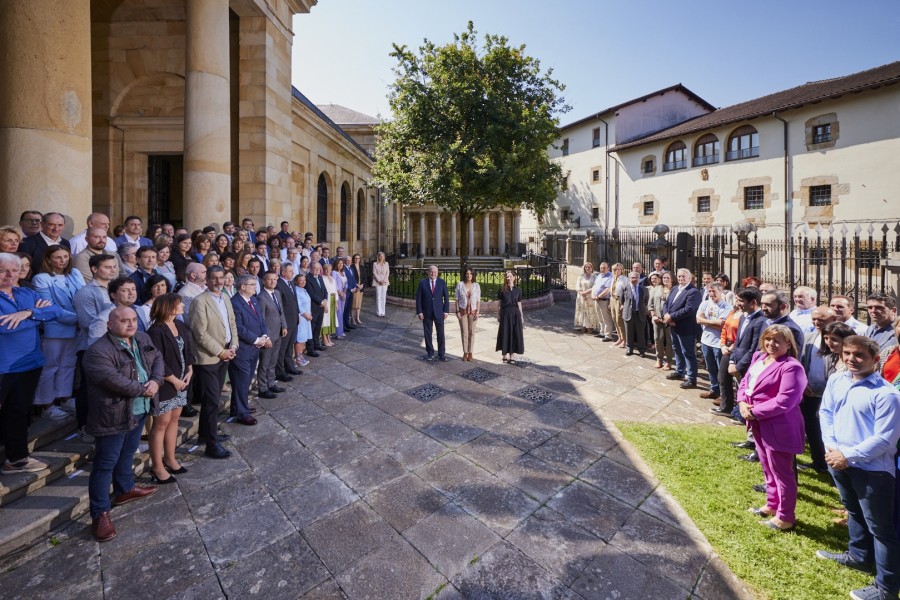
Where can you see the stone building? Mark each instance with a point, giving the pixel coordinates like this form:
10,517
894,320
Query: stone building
821,153
177,110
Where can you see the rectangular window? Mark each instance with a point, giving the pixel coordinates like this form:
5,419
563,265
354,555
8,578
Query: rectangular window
565,182
563,215
754,197
595,175
565,146
648,165
595,213
595,137
820,195
821,133
703,205
648,208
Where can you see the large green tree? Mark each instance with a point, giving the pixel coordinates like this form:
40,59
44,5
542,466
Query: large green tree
470,130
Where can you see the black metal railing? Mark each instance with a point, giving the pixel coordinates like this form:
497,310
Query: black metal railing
675,165
707,159
742,153
534,281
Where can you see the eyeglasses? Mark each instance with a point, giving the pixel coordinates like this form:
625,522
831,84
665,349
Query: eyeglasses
33,220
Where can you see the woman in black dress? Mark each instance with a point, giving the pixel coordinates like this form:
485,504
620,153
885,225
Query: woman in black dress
510,338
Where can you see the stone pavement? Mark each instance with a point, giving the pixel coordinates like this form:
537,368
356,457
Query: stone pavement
378,475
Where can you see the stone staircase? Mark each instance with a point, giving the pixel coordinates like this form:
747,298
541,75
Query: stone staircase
32,505
451,263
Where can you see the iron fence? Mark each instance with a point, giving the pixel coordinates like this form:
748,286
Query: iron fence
534,281
846,259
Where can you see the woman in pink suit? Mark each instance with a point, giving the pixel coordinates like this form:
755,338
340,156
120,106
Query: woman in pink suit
769,399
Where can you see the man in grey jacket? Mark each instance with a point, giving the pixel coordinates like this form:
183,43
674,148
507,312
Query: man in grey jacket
125,370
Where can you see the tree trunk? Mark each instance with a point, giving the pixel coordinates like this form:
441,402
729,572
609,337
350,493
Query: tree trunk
463,234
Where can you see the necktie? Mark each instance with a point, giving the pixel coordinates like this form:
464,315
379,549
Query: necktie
253,308
636,301
275,300
432,287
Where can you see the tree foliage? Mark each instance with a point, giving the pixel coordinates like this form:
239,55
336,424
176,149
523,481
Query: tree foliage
471,128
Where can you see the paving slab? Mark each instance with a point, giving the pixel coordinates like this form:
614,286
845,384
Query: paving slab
369,472
345,536
405,501
283,570
395,570
615,574
314,499
233,537
534,477
596,511
507,574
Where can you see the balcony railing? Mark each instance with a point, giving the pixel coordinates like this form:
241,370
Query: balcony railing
742,153
675,165
708,159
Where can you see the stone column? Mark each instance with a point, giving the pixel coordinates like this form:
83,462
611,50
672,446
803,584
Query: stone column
486,240
517,229
471,237
453,234
501,232
408,238
437,233
422,233
45,113
207,114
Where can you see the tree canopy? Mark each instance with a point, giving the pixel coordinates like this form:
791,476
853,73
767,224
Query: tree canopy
471,127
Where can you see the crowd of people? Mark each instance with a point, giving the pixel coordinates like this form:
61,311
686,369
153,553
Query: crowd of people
126,329
812,375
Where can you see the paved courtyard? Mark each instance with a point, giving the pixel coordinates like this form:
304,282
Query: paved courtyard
378,475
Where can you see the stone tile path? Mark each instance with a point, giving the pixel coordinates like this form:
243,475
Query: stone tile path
494,481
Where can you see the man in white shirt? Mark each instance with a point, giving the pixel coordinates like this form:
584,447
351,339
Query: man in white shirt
601,293
843,310
134,230
50,235
94,221
195,278
804,303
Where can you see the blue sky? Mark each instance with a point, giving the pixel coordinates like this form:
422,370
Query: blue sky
604,52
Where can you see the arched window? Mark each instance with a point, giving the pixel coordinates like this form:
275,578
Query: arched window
676,157
743,143
345,211
706,150
322,211
360,207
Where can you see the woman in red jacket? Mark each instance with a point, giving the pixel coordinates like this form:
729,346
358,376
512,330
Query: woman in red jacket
769,399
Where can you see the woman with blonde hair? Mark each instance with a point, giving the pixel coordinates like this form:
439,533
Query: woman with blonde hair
661,286
381,272
10,238
769,400
468,301
586,317
620,284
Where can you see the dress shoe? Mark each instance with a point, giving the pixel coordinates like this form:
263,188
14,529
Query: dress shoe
313,354
180,470
277,390
643,353
721,412
189,411
428,358
157,481
759,487
136,493
609,339
217,451
746,445
630,352
267,395
752,457
293,371
674,375
709,395
253,410
817,469
444,359
688,384
102,528
284,378
248,420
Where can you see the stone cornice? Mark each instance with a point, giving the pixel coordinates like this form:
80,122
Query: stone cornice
126,123
301,6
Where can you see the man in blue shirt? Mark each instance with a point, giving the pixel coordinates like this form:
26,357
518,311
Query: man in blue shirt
860,418
882,310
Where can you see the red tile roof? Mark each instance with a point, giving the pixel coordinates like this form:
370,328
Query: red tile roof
814,91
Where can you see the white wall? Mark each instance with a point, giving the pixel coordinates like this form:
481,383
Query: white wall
655,114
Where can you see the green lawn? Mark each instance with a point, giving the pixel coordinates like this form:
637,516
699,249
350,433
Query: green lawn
699,468
489,283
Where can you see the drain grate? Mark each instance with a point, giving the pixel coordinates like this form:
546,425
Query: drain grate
535,394
427,392
478,375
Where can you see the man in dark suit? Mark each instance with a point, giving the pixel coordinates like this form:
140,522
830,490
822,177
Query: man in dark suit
251,330
318,296
432,308
272,304
634,313
681,316
352,286
284,366
50,234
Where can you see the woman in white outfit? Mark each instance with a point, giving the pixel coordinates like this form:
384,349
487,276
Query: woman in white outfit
381,272
468,301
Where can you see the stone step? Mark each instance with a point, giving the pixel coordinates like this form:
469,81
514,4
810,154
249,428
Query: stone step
44,431
46,507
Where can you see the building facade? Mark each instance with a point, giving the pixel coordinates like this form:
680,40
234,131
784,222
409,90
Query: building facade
172,110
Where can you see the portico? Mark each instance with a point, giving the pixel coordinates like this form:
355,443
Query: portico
436,233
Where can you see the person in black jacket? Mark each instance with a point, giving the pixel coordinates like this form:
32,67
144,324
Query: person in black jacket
125,370
173,340
318,295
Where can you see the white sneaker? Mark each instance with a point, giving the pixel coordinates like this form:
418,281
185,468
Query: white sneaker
68,406
55,413
26,465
